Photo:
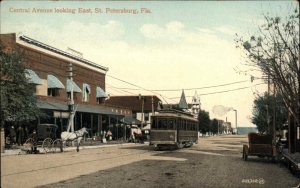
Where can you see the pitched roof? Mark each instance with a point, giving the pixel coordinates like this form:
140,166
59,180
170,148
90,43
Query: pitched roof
182,103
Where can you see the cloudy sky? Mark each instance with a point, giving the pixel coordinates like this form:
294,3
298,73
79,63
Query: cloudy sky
171,46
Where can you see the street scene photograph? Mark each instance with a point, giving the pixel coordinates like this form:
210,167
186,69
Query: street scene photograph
146,94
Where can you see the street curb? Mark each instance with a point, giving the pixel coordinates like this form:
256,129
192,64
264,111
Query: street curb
20,152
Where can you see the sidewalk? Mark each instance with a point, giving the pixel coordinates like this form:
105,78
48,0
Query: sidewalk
85,145
292,160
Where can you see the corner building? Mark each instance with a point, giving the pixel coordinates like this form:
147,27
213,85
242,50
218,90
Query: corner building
47,69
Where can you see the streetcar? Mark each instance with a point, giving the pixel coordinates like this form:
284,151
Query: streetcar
173,128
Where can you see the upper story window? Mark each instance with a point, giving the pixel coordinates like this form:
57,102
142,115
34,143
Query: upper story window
86,90
71,85
100,95
54,85
53,92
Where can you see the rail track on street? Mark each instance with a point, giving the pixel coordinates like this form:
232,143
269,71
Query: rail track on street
89,161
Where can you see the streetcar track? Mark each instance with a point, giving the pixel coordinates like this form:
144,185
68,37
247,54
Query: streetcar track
88,161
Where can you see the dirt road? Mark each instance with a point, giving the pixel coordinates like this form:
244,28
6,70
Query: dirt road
214,162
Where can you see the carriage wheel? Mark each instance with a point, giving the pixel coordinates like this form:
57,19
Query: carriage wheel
47,145
57,145
30,144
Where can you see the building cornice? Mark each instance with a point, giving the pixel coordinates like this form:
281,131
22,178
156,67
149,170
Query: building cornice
24,40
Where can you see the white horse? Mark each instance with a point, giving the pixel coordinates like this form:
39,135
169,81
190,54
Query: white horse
77,135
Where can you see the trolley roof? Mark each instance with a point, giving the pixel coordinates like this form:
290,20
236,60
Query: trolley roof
175,113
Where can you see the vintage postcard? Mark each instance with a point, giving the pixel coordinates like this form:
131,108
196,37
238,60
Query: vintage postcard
150,94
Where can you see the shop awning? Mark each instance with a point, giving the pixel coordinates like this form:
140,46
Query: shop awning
80,108
75,86
54,82
131,121
100,93
51,105
33,77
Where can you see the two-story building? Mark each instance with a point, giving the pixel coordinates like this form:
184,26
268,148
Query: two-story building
142,106
48,68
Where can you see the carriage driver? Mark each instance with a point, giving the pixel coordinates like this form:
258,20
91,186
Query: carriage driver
34,137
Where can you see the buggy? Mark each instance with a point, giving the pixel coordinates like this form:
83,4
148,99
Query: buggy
259,145
44,137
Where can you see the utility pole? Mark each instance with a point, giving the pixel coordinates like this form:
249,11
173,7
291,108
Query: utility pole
152,106
268,121
236,121
142,115
274,112
71,102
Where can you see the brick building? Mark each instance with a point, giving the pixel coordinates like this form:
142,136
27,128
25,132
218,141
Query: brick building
47,67
141,106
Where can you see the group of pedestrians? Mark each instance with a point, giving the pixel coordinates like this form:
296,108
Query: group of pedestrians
17,135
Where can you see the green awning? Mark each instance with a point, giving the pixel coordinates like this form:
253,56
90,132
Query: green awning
75,86
54,82
129,120
100,93
33,77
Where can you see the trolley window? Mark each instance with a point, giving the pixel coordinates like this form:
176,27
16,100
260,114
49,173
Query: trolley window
154,126
171,124
162,124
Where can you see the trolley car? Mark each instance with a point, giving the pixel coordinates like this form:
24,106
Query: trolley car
173,128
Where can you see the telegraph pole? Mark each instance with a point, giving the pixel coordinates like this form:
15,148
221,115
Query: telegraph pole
268,121
142,115
71,102
152,106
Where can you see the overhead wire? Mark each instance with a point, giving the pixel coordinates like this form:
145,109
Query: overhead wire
172,98
225,91
197,88
163,97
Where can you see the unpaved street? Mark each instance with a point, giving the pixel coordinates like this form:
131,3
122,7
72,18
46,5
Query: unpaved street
214,162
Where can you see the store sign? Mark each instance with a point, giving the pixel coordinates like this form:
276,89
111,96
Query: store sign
58,114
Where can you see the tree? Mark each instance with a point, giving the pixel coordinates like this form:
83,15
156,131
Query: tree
18,103
204,121
214,126
274,49
266,104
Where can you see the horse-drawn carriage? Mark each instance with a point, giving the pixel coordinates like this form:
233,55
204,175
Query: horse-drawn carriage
44,137
259,145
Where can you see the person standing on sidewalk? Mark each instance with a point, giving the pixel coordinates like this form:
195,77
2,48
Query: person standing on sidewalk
20,135
34,137
12,134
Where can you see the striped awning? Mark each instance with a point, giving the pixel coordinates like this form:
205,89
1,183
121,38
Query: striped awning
75,86
100,92
33,77
54,82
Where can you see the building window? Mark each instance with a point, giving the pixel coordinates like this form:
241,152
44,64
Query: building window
100,100
53,92
134,115
69,95
146,116
86,92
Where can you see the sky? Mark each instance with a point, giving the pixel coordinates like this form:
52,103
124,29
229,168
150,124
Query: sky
172,45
